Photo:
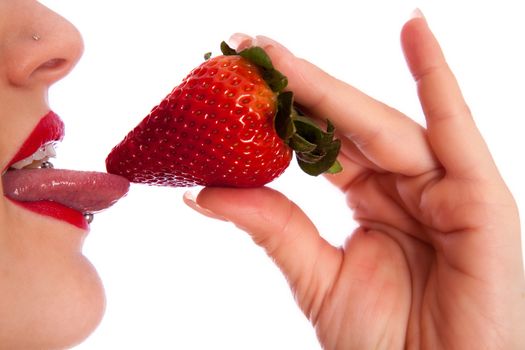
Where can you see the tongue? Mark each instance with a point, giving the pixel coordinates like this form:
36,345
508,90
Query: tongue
87,192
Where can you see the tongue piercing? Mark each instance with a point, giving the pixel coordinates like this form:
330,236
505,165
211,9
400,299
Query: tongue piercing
89,217
47,165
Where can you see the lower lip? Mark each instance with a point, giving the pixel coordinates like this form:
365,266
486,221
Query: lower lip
57,211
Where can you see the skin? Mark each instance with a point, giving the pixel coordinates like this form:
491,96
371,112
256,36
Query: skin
50,296
436,262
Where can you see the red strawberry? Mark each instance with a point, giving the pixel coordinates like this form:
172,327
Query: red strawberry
226,124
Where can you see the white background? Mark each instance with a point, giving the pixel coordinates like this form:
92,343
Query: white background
176,280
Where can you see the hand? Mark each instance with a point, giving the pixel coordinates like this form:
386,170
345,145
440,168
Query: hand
436,261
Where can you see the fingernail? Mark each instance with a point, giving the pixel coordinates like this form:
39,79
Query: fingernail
190,201
417,13
240,41
265,42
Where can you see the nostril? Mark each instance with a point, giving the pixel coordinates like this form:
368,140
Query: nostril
54,63
51,70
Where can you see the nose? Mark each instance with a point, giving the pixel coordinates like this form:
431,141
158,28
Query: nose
44,50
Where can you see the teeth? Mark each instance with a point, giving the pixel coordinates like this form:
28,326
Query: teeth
36,160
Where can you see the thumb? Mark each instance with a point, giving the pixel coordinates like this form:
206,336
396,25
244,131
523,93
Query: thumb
309,263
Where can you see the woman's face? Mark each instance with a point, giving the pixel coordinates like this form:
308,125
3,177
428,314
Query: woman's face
50,295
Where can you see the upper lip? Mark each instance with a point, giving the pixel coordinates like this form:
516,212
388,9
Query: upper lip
49,129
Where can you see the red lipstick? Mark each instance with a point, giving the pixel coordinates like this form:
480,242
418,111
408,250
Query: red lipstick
49,129
57,211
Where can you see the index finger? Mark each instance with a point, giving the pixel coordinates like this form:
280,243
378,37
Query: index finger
387,137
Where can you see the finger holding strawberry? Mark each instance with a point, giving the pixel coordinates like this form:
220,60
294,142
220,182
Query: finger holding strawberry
230,123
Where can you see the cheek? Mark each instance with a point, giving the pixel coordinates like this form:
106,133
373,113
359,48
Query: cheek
49,300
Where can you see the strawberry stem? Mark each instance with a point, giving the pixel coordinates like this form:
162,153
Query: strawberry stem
316,150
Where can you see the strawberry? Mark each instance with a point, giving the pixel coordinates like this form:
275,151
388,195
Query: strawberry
228,123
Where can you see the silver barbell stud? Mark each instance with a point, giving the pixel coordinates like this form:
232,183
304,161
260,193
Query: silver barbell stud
89,217
47,165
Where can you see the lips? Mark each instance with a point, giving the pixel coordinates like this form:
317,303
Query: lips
62,194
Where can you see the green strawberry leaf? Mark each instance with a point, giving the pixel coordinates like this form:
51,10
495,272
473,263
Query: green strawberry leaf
335,168
309,130
275,80
284,125
321,158
227,50
326,161
258,56
300,145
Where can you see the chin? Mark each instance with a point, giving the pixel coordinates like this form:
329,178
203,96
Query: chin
51,295
53,316
76,313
